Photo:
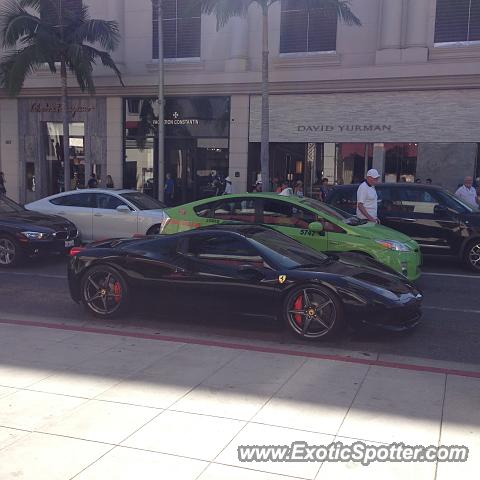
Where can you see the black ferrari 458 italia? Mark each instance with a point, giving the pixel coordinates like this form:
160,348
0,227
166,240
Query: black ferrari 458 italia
243,269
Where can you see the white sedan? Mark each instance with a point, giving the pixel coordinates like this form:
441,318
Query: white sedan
100,214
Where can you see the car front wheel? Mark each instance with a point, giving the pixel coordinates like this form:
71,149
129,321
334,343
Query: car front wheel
472,255
104,292
10,252
313,312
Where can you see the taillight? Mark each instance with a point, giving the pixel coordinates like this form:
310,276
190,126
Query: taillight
76,250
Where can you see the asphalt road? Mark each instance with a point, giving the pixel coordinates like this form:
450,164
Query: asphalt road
450,330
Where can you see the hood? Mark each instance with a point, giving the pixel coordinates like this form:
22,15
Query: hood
29,219
366,270
374,231
158,213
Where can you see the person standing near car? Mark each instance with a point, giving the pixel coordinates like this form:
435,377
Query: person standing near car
169,190
367,198
3,189
467,192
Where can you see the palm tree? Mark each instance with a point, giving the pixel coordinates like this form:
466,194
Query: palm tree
36,33
226,9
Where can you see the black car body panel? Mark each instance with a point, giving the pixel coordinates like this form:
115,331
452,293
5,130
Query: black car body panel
58,231
425,213
255,284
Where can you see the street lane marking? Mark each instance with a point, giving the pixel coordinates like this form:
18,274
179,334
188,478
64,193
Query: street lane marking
454,275
248,348
449,309
31,274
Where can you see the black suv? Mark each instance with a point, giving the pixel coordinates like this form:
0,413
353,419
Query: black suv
436,219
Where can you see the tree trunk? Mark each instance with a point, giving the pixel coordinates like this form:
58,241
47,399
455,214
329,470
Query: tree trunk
66,126
265,131
161,108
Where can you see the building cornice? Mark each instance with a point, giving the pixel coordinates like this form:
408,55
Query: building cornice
452,82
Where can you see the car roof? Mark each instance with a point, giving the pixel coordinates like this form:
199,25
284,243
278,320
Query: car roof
391,185
268,195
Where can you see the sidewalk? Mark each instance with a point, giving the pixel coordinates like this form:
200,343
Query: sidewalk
111,406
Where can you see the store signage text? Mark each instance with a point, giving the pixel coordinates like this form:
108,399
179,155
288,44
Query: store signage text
344,128
57,108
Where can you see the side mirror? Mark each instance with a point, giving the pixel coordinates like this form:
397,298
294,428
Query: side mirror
123,209
316,227
441,211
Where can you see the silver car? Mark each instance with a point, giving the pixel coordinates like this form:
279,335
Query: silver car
100,214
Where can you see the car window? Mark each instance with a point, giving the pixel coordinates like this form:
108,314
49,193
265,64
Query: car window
81,200
241,209
142,201
344,199
451,202
106,201
204,210
223,248
413,200
286,214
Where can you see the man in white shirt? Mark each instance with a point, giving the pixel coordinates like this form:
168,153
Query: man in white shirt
367,199
228,186
467,193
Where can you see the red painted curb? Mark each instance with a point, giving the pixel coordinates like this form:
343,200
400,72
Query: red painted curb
250,348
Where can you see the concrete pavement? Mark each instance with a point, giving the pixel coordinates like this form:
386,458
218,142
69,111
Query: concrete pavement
125,404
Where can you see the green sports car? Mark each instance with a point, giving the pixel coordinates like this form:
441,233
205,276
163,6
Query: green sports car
308,221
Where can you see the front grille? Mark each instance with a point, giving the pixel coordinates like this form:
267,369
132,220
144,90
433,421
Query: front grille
67,234
61,235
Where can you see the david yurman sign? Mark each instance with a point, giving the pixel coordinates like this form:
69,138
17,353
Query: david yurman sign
57,108
344,128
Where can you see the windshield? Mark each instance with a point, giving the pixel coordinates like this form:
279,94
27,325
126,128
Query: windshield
454,203
9,206
333,212
283,251
142,201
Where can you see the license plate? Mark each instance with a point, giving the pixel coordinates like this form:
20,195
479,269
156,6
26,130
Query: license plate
69,243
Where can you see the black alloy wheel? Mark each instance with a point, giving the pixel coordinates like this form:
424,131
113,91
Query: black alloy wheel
313,312
10,252
155,230
104,292
472,255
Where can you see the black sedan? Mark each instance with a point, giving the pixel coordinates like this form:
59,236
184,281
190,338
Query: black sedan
25,234
243,269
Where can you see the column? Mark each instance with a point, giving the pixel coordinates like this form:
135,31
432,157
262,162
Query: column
379,158
238,149
114,140
116,12
417,29
238,45
390,32
329,157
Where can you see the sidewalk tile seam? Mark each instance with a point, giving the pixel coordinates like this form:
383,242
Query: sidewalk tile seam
441,422
255,470
245,347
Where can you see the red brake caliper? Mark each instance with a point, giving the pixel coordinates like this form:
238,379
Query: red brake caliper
117,290
298,305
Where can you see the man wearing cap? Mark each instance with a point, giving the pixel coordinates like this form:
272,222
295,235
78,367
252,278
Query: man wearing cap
367,199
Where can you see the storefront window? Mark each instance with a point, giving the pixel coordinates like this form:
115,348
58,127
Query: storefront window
400,162
196,145
354,159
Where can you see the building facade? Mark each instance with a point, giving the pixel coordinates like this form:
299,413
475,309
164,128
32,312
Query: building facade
400,93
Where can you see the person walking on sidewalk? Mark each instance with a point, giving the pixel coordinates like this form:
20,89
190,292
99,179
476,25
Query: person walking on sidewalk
467,193
3,189
367,198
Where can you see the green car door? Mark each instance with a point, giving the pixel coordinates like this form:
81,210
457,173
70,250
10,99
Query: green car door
293,220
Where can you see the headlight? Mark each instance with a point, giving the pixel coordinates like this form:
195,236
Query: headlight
394,245
36,235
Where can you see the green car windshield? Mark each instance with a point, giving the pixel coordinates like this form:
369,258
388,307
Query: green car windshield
333,212
284,251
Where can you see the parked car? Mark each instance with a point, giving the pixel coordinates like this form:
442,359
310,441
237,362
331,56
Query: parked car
25,234
101,214
252,270
306,220
437,220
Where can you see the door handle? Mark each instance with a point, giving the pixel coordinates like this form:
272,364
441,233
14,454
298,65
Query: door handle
409,220
97,215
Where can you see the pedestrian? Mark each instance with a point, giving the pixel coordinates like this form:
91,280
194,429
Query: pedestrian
228,186
428,181
93,182
109,182
468,193
287,191
169,190
280,186
3,189
258,187
324,189
298,191
367,198
418,180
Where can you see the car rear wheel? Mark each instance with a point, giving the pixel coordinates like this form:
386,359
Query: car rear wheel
104,292
10,252
313,312
155,230
472,255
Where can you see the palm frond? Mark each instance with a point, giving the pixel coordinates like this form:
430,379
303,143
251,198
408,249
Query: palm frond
80,62
104,32
224,10
15,24
339,9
